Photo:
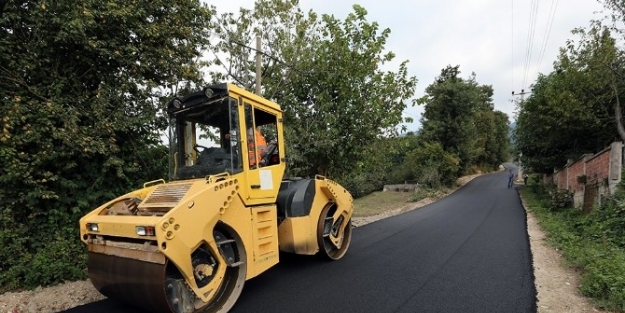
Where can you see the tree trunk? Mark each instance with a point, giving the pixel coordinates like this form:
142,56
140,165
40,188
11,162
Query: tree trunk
617,112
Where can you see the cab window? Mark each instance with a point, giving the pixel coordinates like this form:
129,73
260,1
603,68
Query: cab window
262,137
204,140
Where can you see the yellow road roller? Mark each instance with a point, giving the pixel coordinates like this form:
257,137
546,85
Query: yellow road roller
188,245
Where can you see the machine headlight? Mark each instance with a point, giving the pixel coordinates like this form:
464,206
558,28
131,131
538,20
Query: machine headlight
177,104
92,227
145,230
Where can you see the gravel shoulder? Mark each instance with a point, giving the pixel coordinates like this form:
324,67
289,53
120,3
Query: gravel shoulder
556,284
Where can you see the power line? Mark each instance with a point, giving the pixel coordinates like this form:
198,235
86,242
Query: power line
282,62
531,34
512,43
530,38
527,43
265,54
276,59
552,14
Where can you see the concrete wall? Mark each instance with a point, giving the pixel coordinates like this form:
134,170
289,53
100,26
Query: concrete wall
616,166
602,171
597,173
401,187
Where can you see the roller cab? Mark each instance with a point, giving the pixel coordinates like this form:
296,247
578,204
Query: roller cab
189,245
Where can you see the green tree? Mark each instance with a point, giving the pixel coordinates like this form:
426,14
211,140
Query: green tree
572,110
501,134
431,165
81,83
493,142
397,154
286,33
326,74
617,58
452,105
376,169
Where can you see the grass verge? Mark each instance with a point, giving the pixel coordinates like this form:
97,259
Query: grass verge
592,243
379,202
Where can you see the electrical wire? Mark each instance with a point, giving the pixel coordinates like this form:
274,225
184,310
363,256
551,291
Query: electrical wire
530,38
267,55
552,14
512,43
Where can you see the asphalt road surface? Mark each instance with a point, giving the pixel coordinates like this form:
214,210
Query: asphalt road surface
468,252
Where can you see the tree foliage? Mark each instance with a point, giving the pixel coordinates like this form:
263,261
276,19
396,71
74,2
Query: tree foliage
461,132
572,109
459,114
328,79
80,83
432,165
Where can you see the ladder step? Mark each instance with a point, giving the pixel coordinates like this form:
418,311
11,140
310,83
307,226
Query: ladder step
235,264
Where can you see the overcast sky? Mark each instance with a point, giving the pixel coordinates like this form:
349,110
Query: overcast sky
488,37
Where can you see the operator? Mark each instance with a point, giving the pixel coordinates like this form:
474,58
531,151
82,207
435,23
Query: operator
257,149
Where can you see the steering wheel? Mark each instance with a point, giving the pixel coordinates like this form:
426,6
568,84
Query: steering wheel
267,157
196,146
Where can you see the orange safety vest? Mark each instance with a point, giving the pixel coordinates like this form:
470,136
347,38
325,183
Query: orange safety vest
254,148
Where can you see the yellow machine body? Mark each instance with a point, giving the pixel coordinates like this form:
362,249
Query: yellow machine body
188,245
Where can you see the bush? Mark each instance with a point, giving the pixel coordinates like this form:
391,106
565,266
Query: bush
607,222
560,199
360,185
432,166
540,190
61,257
423,193
535,179
603,279
13,257
64,259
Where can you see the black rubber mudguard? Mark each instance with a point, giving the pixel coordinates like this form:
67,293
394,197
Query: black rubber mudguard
296,197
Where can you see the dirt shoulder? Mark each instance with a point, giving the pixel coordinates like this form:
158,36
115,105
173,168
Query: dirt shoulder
556,284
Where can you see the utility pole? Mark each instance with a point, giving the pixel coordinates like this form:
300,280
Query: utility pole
520,169
258,67
522,94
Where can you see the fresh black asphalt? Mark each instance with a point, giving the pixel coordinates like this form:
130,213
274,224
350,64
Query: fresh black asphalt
468,252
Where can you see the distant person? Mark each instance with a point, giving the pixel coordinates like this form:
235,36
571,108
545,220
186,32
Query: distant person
525,177
510,178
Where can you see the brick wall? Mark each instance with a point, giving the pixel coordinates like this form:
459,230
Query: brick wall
598,167
566,178
602,171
